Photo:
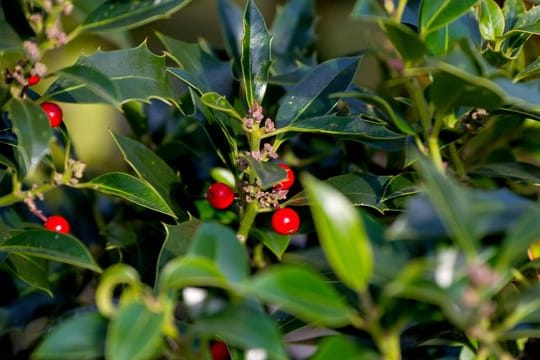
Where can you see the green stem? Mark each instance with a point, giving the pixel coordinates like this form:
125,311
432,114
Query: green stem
389,346
17,196
247,219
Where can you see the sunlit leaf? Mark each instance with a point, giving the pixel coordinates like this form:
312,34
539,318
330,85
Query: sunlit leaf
130,188
341,233
255,54
311,96
134,333
51,246
115,15
301,292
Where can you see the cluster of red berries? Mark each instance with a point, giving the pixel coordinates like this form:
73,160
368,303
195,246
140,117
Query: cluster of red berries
285,221
53,111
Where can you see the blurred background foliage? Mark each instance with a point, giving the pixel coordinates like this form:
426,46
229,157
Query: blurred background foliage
337,34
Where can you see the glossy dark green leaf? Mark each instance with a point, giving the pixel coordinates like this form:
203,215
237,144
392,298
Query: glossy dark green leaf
404,184
52,246
443,40
130,188
301,292
311,96
95,81
220,103
177,241
218,242
531,71
134,333
190,270
246,327
292,34
115,15
136,73
210,72
491,20
341,347
151,168
341,233
230,19
31,125
524,232
405,40
270,174
255,55
518,171
355,126
453,87
436,14
274,242
81,336
360,190
513,10
33,271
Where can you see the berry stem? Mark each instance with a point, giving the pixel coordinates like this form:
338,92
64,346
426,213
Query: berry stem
247,219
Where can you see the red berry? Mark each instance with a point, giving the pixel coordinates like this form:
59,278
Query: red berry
33,80
57,223
54,113
220,196
285,221
288,181
219,351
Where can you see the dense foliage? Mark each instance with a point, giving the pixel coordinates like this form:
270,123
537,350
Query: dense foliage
273,207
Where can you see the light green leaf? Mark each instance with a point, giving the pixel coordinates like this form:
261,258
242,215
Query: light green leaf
190,270
301,292
246,327
341,347
134,333
52,246
341,233
31,125
122,15
79,337
130,188
491,20
218,242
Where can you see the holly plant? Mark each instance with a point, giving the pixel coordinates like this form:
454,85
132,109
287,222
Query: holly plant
272,203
